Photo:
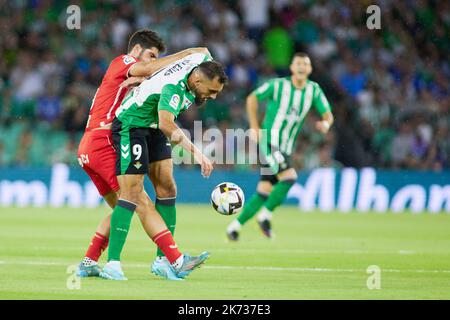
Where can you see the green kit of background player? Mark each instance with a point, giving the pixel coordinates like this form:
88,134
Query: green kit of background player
289,100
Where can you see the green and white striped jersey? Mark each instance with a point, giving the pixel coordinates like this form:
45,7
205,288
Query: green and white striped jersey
166,90
287,107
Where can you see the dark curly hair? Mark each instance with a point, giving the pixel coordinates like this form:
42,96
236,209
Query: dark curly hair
146,39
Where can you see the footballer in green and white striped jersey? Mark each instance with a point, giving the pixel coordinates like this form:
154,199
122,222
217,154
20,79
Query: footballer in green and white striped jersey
287,107
289,101
166,90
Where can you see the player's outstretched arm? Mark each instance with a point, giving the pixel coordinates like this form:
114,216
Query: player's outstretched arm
168,126
252,114
145,69
132,82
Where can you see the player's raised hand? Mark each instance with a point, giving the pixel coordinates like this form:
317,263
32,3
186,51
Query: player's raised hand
206,166
323,126
254,134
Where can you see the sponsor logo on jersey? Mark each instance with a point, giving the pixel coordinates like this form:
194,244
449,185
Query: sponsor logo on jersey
177,67
128,59
174,101
137,165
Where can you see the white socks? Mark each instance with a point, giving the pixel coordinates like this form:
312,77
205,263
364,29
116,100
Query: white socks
234,226
264,214
115,264
178,263
87,262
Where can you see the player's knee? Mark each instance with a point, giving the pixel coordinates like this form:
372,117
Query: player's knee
132,193
264,187
167,190
289,174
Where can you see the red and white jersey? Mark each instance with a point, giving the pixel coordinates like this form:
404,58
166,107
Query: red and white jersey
109,95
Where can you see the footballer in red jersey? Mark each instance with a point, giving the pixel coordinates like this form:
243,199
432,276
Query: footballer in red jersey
96,153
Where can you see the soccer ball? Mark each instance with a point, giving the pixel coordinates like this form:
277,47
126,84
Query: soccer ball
227,198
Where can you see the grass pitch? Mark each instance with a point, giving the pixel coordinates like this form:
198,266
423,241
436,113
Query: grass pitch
313,256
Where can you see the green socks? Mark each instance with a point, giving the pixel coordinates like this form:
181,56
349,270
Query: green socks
252,207
275,198
120,225
166,208
121,220
278,194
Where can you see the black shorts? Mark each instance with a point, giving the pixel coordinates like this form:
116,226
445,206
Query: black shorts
137,147
272,162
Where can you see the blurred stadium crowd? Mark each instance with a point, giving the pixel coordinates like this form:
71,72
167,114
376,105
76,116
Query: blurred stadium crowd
389,88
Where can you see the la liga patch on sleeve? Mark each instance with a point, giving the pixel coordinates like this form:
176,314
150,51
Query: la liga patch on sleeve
174,101
128,59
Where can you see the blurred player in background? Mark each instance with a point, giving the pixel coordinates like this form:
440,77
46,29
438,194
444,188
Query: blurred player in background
143,124
289,100
96,153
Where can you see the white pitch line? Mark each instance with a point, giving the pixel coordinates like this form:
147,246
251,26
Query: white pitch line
219,267
253,250
407,252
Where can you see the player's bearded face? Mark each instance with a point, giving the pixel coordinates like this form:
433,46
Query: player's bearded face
205,89
199,98
199,101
